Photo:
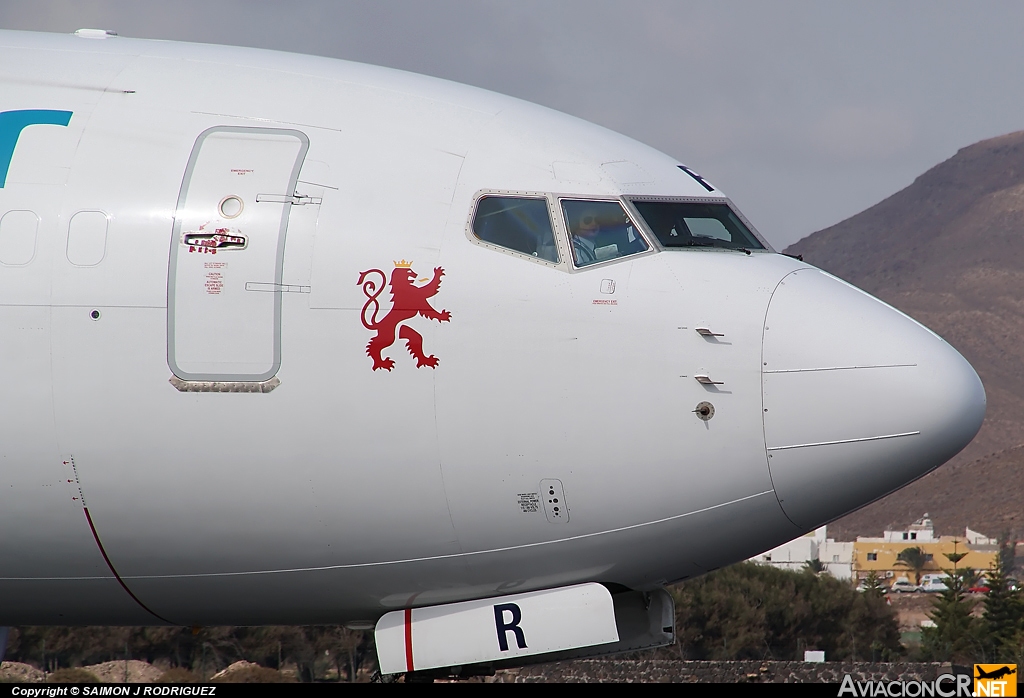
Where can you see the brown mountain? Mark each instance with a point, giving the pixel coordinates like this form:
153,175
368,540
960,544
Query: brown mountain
949,251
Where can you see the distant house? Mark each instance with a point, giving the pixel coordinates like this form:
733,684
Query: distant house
977,540
836,556
879,555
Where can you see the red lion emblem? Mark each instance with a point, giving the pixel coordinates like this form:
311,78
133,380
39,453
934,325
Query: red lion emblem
407,302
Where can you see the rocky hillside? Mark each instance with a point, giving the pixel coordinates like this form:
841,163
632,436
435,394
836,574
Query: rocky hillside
949,251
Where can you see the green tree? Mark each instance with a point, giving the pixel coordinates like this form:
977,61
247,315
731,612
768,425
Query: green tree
913,558
1004,618
956,635
971,578
750,611
873,585
343,647
955,557
1007,553
814,566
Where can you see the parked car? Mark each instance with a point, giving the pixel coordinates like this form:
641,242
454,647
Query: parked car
903,585
934,582
980,588
934,585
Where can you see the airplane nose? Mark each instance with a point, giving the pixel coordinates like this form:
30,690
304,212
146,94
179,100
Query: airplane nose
859,399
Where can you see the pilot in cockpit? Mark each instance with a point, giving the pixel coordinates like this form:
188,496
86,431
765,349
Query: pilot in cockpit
600,230
584,235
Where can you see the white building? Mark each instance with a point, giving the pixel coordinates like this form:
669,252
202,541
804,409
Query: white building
979,540
836,556
921,531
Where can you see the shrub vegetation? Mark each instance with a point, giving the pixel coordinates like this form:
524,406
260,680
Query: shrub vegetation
750,611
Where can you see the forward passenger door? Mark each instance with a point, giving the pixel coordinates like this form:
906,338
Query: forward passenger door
227,254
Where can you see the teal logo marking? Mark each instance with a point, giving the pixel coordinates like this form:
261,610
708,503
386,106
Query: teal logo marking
12,123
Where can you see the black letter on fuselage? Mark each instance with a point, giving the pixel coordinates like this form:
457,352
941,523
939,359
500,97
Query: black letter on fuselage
503,627
700,180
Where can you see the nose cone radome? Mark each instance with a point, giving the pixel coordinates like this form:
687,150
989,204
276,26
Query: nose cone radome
859,399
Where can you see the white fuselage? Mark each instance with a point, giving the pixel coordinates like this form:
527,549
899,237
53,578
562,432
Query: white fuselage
240,459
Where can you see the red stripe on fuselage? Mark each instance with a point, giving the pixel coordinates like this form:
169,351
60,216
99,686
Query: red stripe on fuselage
408,639
110,566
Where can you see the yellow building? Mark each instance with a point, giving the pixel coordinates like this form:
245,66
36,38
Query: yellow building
879,555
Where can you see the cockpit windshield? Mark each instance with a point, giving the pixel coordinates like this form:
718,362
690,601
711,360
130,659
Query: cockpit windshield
600,231
688,224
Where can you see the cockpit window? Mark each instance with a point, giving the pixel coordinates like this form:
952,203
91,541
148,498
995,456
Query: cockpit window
682,224
516,223
599,231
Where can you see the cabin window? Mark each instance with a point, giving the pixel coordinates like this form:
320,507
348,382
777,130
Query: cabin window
679,224
516,223
18,237
600,231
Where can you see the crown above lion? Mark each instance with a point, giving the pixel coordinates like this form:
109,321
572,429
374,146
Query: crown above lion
403,264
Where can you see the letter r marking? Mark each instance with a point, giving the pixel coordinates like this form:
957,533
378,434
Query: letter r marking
502,627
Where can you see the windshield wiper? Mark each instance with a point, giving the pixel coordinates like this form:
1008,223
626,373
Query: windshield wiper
719,244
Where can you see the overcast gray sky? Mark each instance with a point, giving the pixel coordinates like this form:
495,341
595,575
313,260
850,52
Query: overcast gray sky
804,112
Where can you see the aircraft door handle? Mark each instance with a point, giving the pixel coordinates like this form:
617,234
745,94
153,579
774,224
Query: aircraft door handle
293,199
705,332
275,288
704,380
